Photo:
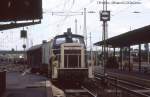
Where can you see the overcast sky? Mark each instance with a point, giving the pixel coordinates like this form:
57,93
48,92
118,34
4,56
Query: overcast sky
122,20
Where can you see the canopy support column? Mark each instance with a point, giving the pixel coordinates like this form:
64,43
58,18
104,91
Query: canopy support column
121,58
139,57
114,52
129,66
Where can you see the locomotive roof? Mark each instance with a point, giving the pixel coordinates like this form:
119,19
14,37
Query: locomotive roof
64,35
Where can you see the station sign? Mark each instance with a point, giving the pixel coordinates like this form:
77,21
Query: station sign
105,16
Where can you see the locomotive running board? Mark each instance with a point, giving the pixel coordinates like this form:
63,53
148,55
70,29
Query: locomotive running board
75,91
72,68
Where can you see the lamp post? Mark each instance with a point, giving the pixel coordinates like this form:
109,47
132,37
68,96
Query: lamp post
104,17
24,47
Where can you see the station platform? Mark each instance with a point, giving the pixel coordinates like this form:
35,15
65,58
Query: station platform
27,85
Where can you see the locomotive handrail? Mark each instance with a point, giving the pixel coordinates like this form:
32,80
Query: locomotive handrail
68,55
75,68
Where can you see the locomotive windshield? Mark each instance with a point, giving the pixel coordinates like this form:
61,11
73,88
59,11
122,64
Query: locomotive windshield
72,39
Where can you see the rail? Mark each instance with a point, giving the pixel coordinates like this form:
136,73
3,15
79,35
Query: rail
83,92
93,94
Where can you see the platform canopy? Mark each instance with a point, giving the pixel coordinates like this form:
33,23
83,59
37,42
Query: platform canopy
134,37
17,25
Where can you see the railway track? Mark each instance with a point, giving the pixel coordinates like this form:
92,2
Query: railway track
123,83
126,77
133,79
74,91
128,84
119,84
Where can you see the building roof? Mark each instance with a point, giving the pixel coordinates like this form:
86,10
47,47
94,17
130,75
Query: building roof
35,47
134,37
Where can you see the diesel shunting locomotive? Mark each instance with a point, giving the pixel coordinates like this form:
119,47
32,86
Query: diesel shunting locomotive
62,58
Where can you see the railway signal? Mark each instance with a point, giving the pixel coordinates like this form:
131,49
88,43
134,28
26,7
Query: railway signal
23,33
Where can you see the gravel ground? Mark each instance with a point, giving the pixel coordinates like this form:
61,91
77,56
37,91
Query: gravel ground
13,67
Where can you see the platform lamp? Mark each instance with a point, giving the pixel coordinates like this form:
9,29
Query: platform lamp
24,47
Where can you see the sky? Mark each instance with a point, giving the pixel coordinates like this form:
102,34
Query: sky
123,19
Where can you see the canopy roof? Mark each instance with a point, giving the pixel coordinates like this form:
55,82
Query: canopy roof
134,37
17,25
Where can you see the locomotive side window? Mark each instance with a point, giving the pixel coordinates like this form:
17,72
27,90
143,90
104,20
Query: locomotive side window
60,40
78,40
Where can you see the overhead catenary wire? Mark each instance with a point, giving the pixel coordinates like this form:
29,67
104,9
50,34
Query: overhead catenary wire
66,14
